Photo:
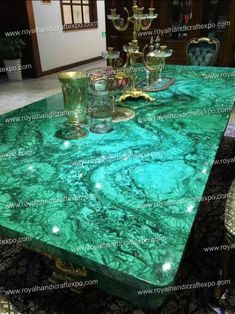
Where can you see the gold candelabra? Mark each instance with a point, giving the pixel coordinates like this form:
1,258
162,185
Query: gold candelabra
141,22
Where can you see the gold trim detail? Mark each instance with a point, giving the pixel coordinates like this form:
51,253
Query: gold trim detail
135,93
70,269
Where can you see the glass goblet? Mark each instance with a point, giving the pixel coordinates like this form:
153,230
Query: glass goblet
162,53
119,82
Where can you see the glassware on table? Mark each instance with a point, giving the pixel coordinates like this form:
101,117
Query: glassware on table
152,62
162,54
99,101
74,87
119,82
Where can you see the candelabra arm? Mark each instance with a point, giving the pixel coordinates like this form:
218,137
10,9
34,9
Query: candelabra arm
143,55
145,28
125,26
127,61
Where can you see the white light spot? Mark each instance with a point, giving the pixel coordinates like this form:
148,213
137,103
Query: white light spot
31,168
66,144
166,266
190,208
98,186
204,170
55,230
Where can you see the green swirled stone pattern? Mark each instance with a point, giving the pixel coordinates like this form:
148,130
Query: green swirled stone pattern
132,194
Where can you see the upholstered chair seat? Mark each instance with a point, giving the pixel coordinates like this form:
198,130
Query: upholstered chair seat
202,51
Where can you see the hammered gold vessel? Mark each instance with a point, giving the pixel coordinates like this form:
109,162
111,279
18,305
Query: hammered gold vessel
74,87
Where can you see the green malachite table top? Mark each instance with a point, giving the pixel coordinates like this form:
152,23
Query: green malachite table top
121,204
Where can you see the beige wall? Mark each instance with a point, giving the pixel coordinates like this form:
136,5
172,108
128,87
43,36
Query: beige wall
59,48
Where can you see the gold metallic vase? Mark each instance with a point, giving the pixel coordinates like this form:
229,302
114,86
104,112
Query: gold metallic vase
74,87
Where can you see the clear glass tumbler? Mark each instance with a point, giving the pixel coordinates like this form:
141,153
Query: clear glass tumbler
100,106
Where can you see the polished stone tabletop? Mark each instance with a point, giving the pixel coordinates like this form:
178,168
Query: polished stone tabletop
121,204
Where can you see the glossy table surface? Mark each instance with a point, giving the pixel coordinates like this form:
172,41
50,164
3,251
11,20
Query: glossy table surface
123,203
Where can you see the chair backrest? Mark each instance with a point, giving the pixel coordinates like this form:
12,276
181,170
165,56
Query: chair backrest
202,51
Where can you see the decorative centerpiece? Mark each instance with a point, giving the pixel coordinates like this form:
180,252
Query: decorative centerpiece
133,53
141,22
